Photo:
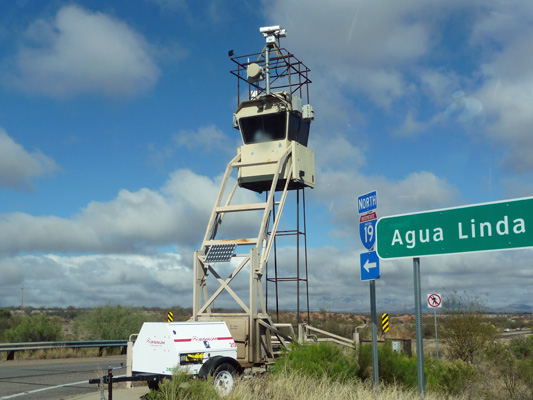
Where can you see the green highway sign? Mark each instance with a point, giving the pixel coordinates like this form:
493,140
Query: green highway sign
481,227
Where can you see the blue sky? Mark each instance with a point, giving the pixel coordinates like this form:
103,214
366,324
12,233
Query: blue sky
116,125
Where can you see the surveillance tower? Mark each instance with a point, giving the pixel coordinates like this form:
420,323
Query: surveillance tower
274,158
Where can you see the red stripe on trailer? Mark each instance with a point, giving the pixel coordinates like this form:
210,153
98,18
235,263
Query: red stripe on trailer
190,340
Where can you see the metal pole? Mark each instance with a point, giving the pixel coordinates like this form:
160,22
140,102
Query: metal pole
110,384
305,253
436,338
375,366
419,333
298,256
267,70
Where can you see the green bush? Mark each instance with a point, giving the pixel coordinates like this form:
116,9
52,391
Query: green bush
514,366
393,367
398,368
522,347
7,321
184,387
449,377
110,323
37,328
318,360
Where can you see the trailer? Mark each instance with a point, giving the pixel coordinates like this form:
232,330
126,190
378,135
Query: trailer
201,349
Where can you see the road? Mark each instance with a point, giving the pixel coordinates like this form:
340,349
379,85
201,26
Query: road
515,334
54,379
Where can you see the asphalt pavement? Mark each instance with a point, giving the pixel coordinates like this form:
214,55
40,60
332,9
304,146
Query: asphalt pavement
118,394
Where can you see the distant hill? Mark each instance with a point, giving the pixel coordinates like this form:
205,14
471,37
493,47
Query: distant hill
513,308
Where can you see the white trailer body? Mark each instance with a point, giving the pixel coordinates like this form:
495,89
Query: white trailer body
163,347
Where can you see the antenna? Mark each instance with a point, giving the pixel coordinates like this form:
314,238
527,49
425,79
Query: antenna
271,34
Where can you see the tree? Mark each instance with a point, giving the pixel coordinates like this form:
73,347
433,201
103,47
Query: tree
35,328
463,327
110,322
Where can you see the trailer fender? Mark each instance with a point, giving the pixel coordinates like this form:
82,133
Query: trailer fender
213,363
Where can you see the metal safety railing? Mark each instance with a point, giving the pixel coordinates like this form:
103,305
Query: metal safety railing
12,348
307,333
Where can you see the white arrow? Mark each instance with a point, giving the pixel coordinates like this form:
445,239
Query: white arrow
372,265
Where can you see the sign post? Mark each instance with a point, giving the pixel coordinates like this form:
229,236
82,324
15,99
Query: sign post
435,301
419,332
370,267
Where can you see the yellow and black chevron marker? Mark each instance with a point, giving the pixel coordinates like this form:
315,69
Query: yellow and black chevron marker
385,322
170,316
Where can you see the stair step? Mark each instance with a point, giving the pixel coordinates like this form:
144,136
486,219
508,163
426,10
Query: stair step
241,207
228,241
252,163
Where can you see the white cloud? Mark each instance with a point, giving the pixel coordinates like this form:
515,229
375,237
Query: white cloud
361,44
92,280
331,267
338,191
137,221
507,95
206,138
84,52
18,166
335,152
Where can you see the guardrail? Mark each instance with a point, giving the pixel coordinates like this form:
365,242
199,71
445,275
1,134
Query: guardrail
11,348
307,333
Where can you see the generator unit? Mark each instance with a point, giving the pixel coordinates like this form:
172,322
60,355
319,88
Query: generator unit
192,348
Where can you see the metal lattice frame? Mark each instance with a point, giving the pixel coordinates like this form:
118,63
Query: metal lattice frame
253,309
287,73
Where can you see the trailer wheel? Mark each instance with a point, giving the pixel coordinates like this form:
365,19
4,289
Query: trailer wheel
153,384
223,378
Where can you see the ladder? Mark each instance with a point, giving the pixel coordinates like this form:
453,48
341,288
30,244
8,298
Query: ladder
251,327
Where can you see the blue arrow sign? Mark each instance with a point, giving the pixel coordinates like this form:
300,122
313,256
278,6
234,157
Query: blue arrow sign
369,266
367,229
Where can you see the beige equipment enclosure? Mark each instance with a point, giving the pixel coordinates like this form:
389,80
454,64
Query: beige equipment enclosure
273,158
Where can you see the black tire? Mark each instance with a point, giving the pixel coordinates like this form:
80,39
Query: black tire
224,378
153,384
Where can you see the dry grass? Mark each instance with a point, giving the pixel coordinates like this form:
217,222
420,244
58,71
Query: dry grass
295,386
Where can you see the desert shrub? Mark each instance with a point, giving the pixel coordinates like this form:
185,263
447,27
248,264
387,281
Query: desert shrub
398,368
35,328
7,321
110,322
463,326
318,360
522,347
449,377
514,367
393,367
184,387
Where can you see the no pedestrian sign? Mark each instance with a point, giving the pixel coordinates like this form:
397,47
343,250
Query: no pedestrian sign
434,300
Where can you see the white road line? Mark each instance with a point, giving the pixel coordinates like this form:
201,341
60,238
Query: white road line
46,388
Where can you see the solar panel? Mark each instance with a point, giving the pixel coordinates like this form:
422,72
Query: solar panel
220,252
